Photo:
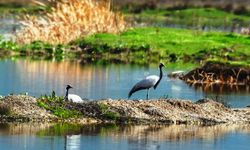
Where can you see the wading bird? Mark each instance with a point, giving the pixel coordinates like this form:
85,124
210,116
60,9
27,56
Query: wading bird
147,83
72,97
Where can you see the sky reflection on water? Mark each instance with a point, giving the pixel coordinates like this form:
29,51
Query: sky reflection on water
112,137
100,81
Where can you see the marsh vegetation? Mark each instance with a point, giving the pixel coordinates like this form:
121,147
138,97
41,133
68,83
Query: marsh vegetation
105,46
73,34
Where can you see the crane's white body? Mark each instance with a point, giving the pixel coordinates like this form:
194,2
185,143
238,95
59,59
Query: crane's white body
148,82
75,98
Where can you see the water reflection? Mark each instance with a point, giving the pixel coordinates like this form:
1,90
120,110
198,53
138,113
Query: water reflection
72,142
93,81
138,134
221,88
89,81
76,137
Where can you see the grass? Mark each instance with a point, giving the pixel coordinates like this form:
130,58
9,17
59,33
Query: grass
8,45
144,45
139,45
21,10
106,113
193,17
35,49
177,44
57,106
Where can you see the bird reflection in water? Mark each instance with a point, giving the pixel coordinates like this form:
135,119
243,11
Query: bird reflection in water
72,142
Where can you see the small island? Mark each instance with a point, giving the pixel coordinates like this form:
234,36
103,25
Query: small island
22,108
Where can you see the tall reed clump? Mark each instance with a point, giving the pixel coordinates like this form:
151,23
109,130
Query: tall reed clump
69,20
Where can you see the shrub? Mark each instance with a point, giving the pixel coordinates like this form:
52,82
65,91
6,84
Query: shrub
70,20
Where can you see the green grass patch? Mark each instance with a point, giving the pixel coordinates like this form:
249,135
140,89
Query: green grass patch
6,9
106,113
194,17
8,45
144,45
176,44
36,49
58,106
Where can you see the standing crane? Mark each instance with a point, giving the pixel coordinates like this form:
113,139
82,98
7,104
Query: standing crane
147,83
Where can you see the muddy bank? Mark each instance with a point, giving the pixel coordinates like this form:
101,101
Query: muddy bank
219,73
161,111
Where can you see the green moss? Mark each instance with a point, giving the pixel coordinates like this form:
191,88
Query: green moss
106,113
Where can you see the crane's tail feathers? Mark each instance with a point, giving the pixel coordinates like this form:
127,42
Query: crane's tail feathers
130,93
135,89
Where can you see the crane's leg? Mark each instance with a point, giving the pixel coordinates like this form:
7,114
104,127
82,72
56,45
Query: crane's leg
147,93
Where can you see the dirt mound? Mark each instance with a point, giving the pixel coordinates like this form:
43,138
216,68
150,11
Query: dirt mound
222,73
166,111
23,106
173,111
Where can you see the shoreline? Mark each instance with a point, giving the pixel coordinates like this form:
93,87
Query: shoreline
108,46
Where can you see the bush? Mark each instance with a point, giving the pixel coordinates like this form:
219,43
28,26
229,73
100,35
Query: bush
70,20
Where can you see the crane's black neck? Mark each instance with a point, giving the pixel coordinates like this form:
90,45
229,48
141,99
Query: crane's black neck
67,94
160,77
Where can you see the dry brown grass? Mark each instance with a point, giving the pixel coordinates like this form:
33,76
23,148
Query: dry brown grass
69,20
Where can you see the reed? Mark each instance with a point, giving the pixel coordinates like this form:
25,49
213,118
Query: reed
70,20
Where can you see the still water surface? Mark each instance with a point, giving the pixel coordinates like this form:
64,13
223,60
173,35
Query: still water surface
93,81
111,137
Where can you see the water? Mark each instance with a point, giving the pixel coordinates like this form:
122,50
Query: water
111,137
102,81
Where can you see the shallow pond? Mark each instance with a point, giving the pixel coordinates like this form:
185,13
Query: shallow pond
111,137
98,81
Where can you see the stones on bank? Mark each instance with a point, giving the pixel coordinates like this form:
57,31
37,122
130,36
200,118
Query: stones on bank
19,108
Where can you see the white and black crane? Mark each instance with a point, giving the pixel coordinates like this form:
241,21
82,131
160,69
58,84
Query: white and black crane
147,83
72,97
